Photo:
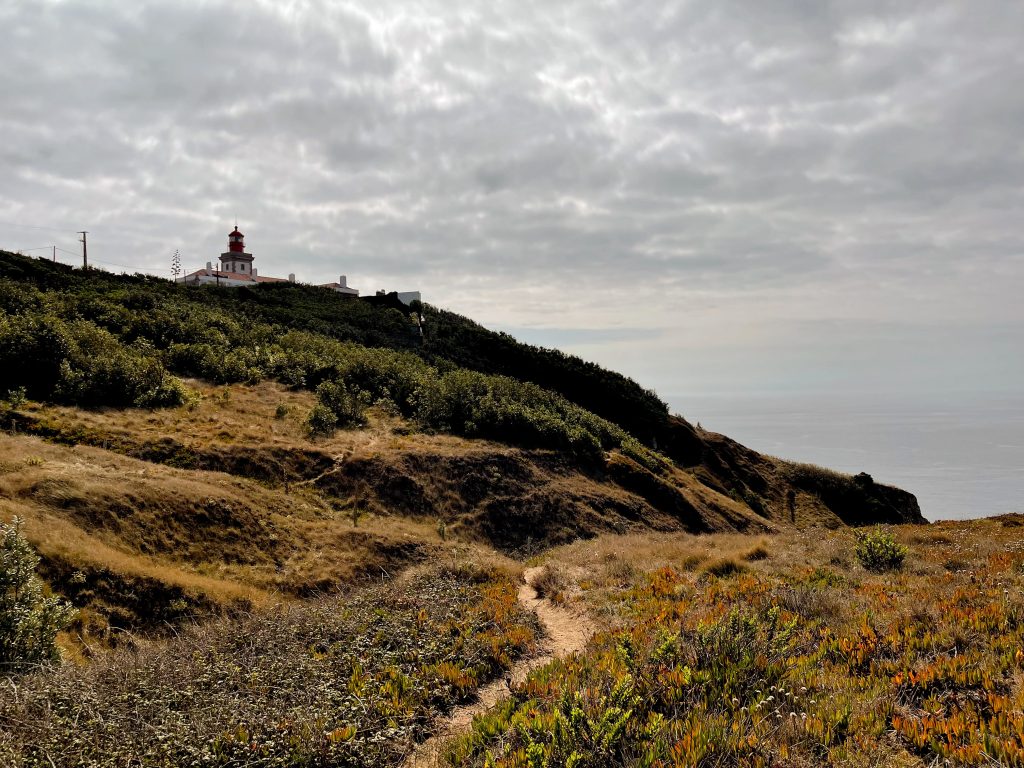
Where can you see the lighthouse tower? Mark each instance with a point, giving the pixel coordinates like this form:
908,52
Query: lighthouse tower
236,259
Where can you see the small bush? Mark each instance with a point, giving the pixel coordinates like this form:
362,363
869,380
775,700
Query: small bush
29,619
760,552
724,567
551,583
13,400
878,551
342,402
281,412
321,421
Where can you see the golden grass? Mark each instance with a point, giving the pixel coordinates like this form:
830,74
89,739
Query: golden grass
214,539
803,657
247,415
223,538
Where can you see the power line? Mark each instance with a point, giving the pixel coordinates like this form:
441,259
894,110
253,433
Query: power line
33,226
135,267
125,266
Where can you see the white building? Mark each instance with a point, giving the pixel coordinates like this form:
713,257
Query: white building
342,286
236,268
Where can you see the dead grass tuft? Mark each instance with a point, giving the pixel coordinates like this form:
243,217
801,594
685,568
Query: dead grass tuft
759,552
724,567
551,583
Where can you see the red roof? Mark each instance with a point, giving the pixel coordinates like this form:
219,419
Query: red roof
235,232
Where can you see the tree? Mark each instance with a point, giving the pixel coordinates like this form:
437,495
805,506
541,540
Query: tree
29,618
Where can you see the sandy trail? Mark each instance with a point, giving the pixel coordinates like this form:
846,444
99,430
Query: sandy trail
565,631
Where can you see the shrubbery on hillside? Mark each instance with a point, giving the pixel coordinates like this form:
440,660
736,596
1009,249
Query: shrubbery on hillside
108,344
337,681
879,551
78,362
605,393
800,666
165,314
29,618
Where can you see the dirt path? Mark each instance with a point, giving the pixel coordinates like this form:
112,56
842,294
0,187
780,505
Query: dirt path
565,632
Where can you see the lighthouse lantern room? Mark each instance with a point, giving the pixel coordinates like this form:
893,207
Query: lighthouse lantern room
235,259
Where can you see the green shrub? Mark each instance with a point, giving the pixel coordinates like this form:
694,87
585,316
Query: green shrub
13,400
32,349
321,421
878,551
346,407
29,619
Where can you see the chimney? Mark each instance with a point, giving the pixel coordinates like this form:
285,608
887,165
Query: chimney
291,278
343,282
254,272
209,266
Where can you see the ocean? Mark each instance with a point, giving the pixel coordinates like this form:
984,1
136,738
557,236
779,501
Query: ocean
961,455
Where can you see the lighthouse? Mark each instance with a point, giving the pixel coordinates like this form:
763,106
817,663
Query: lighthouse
235,259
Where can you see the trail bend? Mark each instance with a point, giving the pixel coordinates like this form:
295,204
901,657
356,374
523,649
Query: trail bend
565,633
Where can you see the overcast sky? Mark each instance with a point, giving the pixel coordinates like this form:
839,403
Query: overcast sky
711,196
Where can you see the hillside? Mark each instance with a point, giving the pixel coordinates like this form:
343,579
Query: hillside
184,450
296,533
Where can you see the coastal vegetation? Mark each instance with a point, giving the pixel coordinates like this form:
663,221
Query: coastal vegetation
29,617
804,657
274,526
342,680
112,341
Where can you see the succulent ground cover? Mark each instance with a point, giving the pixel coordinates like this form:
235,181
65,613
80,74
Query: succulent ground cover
342,681
794,655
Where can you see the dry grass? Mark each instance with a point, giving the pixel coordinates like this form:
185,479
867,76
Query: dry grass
551,582
759,552
267,414
203,540
292,516
333,681
803,658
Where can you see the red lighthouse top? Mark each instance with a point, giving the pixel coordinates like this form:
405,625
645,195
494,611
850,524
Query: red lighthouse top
236,241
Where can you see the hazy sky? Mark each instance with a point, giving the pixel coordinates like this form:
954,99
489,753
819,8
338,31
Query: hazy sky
712,196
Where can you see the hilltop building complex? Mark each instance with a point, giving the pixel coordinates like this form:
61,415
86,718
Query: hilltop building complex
236,270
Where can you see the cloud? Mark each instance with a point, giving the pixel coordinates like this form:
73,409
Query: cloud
569,169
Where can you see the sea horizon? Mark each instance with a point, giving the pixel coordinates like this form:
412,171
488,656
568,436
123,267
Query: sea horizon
961,454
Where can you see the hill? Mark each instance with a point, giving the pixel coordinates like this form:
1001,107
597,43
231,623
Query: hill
296,533
182,449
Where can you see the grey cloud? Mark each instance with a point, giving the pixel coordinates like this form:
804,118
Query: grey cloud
723,153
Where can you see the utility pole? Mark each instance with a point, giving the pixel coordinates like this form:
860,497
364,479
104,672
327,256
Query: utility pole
85,250
54,252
